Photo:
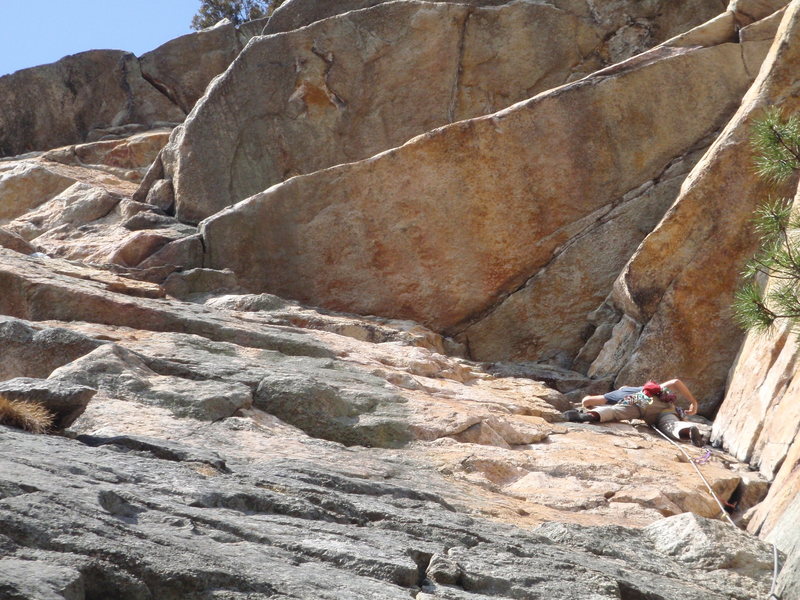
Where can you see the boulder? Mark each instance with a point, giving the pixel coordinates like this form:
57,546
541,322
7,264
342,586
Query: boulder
77,205
329,110
148,219
342,407
162,196
26,185
186,252
120,374
26,351
710,544
200,281
471,213
665,289
182,68
129,157
14,242
137,247
64,400
74,96
707,550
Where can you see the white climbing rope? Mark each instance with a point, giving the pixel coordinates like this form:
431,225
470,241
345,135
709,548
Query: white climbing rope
775,570
696,468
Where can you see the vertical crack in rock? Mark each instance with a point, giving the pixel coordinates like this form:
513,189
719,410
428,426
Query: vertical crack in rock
451,109
744,62
126,86
327,58
423,561
163,89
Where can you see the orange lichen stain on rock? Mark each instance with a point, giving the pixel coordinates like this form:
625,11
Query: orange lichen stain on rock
312,96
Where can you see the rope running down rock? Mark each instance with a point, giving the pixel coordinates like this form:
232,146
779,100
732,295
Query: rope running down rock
772,594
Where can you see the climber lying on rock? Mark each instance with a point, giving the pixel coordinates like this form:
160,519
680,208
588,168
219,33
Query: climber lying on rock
653,403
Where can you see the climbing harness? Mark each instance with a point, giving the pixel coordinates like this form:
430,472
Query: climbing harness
703,460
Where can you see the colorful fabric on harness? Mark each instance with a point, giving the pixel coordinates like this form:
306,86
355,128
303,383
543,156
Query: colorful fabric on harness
642,400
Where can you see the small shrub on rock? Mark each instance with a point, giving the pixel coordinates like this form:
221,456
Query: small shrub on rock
21,414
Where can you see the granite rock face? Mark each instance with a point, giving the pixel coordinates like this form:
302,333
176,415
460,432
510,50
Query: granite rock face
311,93
75,96
182,68
165,368
758,423
632,26
238,459
220,445
664,291
481,228
296,528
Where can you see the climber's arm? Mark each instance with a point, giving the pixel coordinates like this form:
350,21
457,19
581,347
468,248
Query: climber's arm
680,387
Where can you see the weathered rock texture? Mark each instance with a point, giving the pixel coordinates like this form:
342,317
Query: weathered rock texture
445,228
218,445
75,96
172,525
673,310
632,24
759,422
182,68
73,202
223,430
348,87
157,363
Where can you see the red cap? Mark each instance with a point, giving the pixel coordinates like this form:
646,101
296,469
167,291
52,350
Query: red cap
651,388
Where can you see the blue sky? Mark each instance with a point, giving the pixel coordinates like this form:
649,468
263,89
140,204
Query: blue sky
34,32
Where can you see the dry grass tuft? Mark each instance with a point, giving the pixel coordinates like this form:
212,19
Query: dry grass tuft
21,414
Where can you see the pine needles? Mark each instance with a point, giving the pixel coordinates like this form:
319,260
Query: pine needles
771,288
21,414
776,142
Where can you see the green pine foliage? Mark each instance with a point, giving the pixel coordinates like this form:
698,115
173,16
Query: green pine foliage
776,143
771,287
238,11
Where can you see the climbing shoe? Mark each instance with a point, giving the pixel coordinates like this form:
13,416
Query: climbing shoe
579,417
696,437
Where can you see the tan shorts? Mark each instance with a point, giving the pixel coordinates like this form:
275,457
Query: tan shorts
660,414
618,412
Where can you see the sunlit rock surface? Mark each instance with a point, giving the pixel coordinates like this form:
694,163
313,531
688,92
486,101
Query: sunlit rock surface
215,440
